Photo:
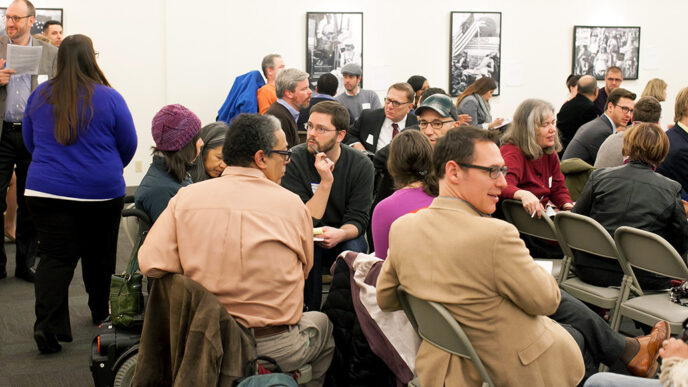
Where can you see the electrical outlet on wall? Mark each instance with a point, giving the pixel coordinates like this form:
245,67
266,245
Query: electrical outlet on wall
138,166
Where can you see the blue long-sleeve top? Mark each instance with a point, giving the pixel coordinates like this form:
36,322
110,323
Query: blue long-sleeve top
91,167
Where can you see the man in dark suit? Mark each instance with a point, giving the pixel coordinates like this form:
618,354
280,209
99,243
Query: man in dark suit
14,92
324,91
293,94
590,136
577,111
374,129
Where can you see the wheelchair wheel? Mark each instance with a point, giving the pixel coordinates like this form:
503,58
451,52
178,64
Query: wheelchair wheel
125,373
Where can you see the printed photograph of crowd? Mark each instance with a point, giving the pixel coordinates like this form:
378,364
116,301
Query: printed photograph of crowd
597,48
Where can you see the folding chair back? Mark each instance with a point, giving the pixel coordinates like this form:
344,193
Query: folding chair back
650,252
583,233
542,228
436,325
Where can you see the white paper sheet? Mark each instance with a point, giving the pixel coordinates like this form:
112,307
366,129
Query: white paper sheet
23,59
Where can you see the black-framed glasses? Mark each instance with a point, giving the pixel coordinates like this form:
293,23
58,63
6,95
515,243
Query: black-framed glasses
493,172
318,128
15,19
625,109
437,124
394,103
284,153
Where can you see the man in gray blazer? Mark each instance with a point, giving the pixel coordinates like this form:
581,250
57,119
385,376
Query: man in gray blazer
587,140
14,92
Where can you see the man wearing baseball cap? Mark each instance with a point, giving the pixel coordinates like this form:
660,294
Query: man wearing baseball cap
177,144
355,98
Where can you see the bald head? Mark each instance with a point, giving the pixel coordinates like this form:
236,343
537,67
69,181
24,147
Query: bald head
587,85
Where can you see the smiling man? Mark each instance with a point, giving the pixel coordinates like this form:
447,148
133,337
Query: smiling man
336,183
293,94
14,92
374,129
248,241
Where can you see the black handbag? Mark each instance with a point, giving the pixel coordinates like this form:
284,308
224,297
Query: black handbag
126,293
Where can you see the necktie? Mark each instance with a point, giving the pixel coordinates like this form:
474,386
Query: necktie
395,129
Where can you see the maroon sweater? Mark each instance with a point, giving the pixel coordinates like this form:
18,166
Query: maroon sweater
534,176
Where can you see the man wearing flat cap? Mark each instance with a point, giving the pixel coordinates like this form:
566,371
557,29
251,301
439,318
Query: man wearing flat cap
355,98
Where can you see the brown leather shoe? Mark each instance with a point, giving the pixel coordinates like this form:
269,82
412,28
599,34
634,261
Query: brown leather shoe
644,364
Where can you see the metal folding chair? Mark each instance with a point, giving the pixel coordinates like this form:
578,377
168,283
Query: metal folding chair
650,252
583,233
435,324
542,228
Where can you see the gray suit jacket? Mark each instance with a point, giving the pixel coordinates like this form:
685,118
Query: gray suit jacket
587,140
47,67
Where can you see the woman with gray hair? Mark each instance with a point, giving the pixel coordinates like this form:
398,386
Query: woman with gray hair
530,153
209,164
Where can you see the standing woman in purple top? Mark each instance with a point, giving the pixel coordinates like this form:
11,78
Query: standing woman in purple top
410,164
81,135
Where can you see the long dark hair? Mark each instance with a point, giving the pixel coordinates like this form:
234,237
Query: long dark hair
73,84
180,162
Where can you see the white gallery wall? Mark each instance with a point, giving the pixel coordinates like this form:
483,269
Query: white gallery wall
158,52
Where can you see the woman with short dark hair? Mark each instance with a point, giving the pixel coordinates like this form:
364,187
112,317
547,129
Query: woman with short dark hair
633,195
81,135
209,163
410,164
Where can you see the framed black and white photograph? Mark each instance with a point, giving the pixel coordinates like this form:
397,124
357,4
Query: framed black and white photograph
475,49
597,48
42,16
333,39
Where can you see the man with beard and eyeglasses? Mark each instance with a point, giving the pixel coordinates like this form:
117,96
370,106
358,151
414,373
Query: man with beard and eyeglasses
336,183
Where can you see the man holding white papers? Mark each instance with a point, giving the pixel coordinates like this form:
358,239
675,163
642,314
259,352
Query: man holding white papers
15,88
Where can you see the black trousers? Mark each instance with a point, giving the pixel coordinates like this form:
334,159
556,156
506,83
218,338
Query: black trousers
599,344
69,230
14,153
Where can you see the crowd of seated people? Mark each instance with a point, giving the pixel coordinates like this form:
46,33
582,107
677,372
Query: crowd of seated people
257,218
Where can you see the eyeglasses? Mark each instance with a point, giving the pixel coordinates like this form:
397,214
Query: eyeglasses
625,109
319,129
15,19
284,153
394,103
437,124
493,172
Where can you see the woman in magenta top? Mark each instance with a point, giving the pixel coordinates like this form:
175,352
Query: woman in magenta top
410,164
530,152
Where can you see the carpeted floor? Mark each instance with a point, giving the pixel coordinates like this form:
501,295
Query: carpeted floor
20,362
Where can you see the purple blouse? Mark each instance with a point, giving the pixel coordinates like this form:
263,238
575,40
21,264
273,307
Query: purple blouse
400,203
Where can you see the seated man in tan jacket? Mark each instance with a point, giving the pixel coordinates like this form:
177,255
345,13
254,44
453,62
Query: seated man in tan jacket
480,270
250,242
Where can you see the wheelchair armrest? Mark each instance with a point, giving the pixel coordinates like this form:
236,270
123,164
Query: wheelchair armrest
143,217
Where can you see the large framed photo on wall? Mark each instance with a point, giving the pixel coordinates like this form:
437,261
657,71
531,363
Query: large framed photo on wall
42,16
475,49
333,39
597,48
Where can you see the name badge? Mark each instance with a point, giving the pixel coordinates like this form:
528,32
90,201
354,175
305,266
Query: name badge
314,187
550,182
365,105
370,140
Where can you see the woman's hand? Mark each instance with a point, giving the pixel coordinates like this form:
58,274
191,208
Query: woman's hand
496,123
567,206
531,203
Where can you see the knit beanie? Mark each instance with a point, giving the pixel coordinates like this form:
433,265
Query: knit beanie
173,127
